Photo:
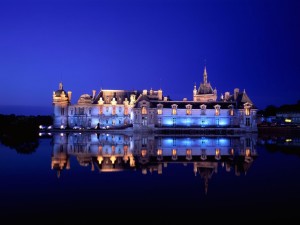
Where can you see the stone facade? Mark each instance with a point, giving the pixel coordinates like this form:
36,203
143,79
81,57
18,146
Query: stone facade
150,110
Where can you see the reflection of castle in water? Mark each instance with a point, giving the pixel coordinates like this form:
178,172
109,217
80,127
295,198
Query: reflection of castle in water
110,152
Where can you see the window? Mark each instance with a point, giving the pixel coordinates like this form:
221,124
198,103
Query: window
90,111
231,110
247,111
217,110
107,109
62,111
101,110
248,141
72,112
126,111
113,110
159,111
174,122
174,109
247,122
203,109
120,109
144,110
188,109
159,122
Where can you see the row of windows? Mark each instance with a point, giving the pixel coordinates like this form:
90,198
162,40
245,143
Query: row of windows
80,110
189,111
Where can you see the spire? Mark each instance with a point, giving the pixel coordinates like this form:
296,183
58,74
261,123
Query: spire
204,76
60,86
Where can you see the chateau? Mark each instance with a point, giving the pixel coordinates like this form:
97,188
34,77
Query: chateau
149,110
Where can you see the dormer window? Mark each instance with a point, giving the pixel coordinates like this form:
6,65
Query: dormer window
231,110
159,109
144,110
217,110
247,108
174,109
203,109
188,109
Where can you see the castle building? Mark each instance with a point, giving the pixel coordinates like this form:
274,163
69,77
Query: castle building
150,110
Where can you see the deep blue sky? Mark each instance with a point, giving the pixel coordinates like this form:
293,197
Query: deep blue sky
252,45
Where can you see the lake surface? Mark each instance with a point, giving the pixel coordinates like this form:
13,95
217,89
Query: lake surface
83,178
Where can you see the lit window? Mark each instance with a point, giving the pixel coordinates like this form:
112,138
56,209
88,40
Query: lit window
159,109
144,110
126,111
113,110
247,111
217,110
101,110
188,109
174,111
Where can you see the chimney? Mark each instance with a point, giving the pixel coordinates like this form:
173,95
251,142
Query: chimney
144,92
165,99
227,95
94,93
159,94
184,99
236,92
69,95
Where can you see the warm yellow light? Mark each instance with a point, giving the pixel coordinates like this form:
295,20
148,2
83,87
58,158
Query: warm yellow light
248,152
174,152
232,151
99,159
288,120
144,152
174,111
288,140
144,110
113,159
159,111
159,151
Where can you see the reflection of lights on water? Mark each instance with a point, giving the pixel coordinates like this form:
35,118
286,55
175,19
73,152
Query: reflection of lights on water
218,154
159,151
174,152
144,152
247,152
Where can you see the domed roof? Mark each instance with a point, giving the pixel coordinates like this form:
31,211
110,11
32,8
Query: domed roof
59,92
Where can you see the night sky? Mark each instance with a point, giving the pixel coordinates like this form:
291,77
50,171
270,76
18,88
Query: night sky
134,45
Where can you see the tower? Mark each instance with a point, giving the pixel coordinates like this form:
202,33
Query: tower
205,93
61,102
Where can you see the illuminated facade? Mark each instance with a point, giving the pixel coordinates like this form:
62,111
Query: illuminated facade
151,111
234,111
110,152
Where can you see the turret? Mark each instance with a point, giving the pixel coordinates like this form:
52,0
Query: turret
61,101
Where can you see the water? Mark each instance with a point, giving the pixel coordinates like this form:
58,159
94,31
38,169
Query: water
81,178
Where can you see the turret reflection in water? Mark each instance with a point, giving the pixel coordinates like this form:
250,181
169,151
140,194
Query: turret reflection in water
148,153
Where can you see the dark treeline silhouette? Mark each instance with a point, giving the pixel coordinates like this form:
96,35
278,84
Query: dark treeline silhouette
271,110
21,132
